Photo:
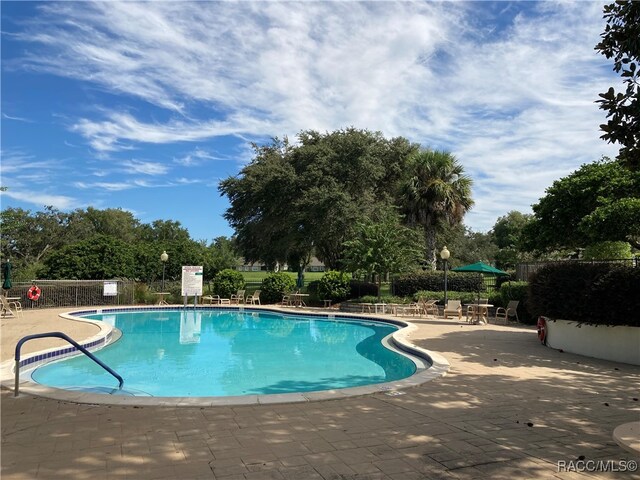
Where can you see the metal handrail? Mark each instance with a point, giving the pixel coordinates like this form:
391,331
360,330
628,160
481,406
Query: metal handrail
72,342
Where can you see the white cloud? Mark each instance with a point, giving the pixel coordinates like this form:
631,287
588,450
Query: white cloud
41,199
18,119
109,186
514,102
108,135
145,168
197,157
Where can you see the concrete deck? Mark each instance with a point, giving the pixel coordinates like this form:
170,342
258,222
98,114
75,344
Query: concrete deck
509,408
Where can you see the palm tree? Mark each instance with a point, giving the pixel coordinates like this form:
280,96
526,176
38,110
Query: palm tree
435,191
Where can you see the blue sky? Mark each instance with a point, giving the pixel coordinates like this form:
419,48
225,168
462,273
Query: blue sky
147,106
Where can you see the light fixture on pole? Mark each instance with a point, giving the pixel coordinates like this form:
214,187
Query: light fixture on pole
444,255
163,258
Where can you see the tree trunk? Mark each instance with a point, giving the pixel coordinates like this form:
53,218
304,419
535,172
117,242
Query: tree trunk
430,240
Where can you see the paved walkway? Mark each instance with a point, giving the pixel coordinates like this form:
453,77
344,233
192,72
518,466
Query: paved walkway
509,408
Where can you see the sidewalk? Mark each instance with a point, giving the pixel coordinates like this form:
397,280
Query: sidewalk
509,408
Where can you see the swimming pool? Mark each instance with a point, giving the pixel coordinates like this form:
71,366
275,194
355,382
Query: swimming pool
218,352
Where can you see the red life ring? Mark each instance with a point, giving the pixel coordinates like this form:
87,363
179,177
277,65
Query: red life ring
34,293
542,330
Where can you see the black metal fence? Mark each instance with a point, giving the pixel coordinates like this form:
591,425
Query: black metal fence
525,270
74,293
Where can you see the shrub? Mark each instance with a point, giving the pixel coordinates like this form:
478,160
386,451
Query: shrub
227,282
410,283
510,278
359,289
334,286
597,293
142,295
275,285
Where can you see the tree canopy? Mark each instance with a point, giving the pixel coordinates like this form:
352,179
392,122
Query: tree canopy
621,41
100,244
382,246
507,235
292,200
598,202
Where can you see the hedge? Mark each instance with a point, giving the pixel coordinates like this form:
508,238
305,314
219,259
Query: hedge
595,293
361,289
410,283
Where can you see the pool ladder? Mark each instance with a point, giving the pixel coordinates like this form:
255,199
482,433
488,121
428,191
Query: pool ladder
72,342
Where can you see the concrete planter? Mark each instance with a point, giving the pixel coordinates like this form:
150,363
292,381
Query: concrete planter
616,343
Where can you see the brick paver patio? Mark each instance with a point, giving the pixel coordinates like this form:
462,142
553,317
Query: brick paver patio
509,408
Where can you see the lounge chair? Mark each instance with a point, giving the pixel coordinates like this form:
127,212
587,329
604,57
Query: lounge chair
253,299
453,308
237,297
510,311
213,299
11,308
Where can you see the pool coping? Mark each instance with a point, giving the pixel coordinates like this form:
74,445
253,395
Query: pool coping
439,365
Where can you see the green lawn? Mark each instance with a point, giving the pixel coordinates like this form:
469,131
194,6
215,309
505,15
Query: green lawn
256,277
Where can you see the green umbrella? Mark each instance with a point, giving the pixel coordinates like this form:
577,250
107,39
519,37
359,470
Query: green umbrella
480,267
6,273
483,268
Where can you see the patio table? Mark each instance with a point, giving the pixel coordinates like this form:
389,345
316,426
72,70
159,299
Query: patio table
297,299
479,313
162,301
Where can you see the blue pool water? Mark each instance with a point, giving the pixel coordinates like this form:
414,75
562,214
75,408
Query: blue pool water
180,353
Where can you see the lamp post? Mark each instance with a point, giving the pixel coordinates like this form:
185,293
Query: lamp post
444,255
163,258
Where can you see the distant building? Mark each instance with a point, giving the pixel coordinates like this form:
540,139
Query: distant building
243,266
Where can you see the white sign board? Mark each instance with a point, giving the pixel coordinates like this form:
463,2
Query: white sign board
110,289
191,280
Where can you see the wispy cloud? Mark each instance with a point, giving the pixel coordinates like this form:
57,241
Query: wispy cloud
109,186
145,168
121,129
511,96
197,157
41,199
18,119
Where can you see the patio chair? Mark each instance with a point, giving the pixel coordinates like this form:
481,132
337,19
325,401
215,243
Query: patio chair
453,308
11,308
429,307
286,300
214,300
411,308
237,297
510,311
253,298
